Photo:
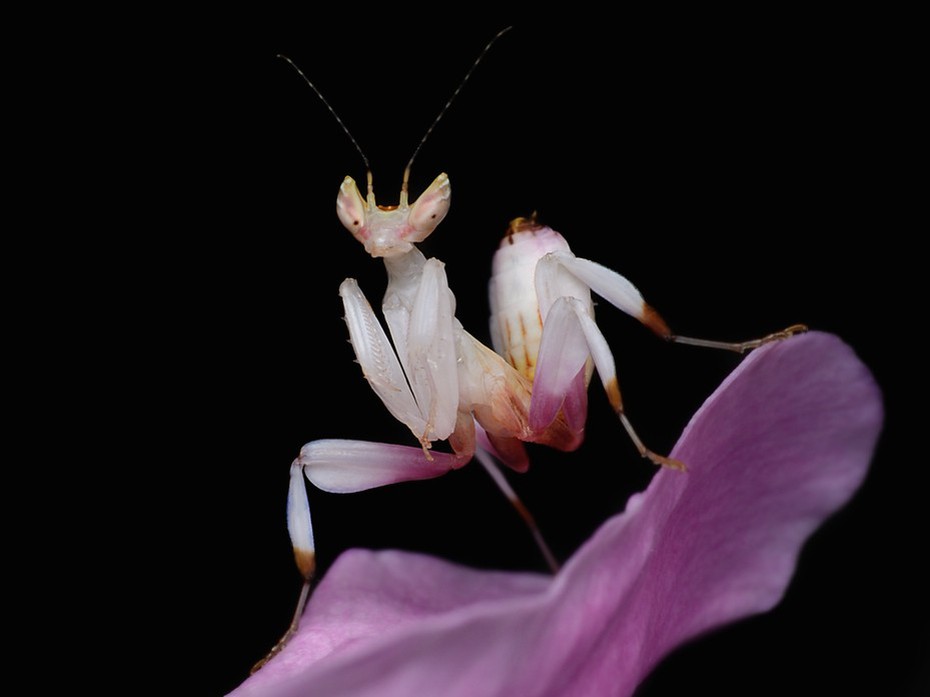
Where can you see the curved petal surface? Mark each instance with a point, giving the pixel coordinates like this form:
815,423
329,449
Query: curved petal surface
780,445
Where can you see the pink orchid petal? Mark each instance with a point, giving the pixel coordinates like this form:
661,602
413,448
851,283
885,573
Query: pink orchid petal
783,443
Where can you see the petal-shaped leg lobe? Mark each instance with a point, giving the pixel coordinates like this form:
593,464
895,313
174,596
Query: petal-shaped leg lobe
431,356
299,526
563,354
345,466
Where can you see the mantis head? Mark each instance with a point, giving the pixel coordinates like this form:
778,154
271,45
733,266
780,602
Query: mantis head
388,231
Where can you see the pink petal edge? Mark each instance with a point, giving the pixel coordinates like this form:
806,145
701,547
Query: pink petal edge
782,444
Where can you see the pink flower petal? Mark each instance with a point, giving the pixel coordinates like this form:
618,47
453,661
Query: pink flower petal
783,443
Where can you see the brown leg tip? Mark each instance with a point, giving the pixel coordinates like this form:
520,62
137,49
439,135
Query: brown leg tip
654,321
662,461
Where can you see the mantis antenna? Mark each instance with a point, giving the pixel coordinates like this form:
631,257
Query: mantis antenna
328,106
429,130
445,108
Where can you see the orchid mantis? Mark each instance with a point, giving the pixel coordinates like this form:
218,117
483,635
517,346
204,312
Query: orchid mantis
446,385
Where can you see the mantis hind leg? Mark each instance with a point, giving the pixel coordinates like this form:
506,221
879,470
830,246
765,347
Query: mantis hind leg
623,295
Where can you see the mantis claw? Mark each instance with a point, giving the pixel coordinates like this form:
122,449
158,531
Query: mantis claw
741,347
785,333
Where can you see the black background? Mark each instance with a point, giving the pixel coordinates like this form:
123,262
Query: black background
740,170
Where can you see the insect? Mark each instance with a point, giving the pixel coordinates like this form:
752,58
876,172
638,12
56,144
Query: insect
446,385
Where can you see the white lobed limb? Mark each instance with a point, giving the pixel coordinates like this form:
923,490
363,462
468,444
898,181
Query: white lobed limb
566,325
419,309
622,294
347,466
608,284
301,532
431,356
553,280
563,353
299,526
376,356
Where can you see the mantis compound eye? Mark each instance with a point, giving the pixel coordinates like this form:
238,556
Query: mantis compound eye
429,209
351,209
